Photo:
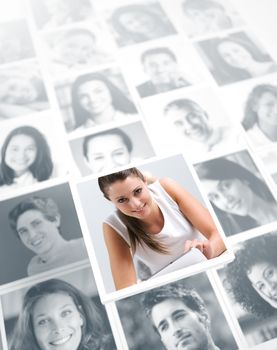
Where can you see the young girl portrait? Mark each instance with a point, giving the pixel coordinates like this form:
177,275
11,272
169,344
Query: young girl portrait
156,222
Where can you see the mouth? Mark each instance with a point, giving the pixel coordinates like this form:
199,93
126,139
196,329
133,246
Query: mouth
61,340
184,340
140,210
234,205
36,242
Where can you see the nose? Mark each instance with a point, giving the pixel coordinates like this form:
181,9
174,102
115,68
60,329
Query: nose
135,203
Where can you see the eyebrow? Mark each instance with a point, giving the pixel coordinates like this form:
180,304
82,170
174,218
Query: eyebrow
62,307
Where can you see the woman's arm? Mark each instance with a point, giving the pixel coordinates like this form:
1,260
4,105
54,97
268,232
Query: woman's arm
121,261
199,217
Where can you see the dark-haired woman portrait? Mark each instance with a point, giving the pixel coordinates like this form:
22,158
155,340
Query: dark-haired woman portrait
260,114
241,200
155,221
137,23
236,57
96,100
25,158
56,315
252,277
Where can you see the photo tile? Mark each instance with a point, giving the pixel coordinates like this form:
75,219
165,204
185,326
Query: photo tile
137,22
77,48
68,304
237,191
192,119
177,315
42,231
249,283
166,261
16,42
95,98
166,65
269,159
198,18
31,152
254,104
111,149
22,90
52,14
235,57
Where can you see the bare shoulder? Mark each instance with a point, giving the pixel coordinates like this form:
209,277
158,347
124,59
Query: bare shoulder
171,186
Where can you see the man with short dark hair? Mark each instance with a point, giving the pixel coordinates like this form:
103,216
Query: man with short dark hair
36,222
161,66
180,317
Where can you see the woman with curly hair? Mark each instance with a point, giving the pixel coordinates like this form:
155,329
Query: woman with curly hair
25,158
252,276
55,314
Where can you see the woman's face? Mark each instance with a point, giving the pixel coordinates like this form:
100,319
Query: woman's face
233,196
234,54
57,322
94,96
190,123
137,22
17,90
266,109
21,153
263,277
106,152
131,196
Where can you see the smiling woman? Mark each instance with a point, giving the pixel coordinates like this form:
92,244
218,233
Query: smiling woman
56,315
157,223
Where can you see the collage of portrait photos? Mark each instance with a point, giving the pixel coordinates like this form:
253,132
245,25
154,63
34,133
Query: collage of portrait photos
138,174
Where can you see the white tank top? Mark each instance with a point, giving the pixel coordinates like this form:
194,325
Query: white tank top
175,232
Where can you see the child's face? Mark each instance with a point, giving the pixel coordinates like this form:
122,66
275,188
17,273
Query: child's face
57,322
76,49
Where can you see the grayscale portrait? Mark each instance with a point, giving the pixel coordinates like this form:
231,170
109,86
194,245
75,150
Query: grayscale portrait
77,48
250,282
235,57
27,157
260,114
42,233
63,312
95,99
204,17
15,41
112,148
161,66
50,14
139,22
22,91
236,189
196,127
181,315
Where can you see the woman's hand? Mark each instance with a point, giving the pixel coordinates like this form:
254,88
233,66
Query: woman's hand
205,247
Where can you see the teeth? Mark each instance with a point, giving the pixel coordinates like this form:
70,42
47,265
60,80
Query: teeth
61,340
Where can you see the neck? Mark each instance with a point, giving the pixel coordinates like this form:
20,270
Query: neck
270,132
263,211
105,116
155,221
54,250
258,68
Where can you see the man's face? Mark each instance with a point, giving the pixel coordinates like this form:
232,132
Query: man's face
179,327
161,68
36,232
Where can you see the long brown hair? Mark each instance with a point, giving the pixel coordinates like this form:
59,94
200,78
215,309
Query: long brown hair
135,227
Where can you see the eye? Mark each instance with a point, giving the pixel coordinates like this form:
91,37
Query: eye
269,273
118,153
225,184
213,197
36,223
163,327
138,190
179,316
260,286
22,232
121,200
42,322
66,313
98,158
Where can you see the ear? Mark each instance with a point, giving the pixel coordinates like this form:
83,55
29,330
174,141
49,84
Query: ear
203,317
58,220
81,320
